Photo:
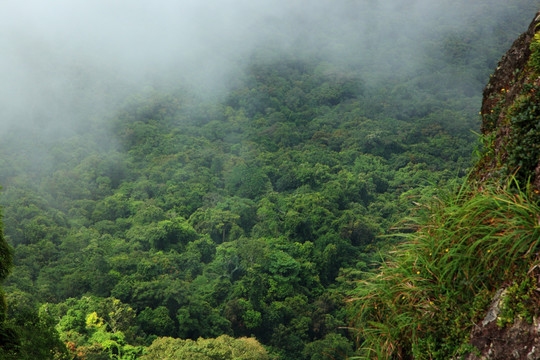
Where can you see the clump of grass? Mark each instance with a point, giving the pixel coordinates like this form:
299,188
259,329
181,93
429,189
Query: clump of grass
425,298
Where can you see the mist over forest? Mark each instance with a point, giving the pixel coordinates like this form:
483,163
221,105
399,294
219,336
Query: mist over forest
179,176
65,61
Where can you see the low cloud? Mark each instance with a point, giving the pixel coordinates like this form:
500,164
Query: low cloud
65,60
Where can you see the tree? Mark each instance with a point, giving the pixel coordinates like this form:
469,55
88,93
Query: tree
96,328
6,261
247,181
333,346
200,319
221,348
156,321
30,335
221,225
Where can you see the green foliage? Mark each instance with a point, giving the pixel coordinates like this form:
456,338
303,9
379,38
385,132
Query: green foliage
199,319
518,302
535,53
8,337
28,334
248,214
156,321
6,260
97,328
221,225
419,302
524,143
221,348
247,182
333,346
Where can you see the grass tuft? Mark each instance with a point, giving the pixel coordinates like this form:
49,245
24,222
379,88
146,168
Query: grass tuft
425,298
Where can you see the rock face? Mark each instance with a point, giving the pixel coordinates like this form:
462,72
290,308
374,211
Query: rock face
510,139
505,76
511,131
521,341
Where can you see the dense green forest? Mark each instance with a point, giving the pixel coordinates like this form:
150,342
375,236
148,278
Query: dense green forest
235,226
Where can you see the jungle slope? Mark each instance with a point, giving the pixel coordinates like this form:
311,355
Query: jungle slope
240,218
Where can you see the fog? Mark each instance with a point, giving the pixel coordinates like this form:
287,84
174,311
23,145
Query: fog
66,60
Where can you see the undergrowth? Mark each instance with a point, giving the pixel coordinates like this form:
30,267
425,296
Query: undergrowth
519,302
425,298
524,141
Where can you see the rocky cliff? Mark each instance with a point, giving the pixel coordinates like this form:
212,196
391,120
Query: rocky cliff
511,115
511,134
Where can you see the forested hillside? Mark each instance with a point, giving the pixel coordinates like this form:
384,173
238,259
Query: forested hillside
236,225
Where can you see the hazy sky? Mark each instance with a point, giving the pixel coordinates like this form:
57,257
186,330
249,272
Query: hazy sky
64,59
